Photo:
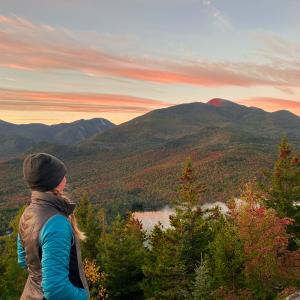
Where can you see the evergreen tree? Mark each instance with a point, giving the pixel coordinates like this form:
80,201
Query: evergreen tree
226,258
82,209
203,282
13,277
175,252
90,221
165,275
283,189
189,224
122,257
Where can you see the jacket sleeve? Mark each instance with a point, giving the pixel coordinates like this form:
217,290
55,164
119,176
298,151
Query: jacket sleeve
55,240
21,253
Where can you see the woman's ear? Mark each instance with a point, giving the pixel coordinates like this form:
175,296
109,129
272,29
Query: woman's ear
62,184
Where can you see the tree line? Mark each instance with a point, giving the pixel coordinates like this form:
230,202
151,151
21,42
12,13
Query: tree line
251,252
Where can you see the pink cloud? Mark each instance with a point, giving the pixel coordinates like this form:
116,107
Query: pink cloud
15,22
28,46
80,102
272,104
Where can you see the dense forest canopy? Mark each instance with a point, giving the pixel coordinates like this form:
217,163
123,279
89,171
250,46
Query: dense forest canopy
134,165
252,252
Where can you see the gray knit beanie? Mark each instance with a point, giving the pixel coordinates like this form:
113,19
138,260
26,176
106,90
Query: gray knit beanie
43,171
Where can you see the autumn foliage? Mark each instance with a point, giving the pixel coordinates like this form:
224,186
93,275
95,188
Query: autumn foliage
268,264
96,280
251,252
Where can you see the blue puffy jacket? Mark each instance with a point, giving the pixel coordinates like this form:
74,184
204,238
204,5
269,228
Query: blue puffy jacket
55,240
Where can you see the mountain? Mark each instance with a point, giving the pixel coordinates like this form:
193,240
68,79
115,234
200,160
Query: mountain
136,165
162,125
15,139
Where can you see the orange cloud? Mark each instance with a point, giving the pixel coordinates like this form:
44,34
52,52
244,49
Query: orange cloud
24,45
272,104
75,102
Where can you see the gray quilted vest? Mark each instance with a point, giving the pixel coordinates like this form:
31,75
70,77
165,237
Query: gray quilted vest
43,206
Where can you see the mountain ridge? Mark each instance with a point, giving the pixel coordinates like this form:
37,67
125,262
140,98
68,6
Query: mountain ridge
199,114
17,138
137,163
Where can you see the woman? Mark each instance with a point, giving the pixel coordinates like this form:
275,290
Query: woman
48,239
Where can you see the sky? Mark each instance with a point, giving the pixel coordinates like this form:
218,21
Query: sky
64,60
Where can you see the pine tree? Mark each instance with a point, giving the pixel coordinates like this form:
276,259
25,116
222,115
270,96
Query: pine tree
91,222
203,283
82,209
188,222
175,252
13,277
164,270
122,257
226,258
283,189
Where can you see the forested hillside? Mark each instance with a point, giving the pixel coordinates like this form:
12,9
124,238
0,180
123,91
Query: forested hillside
252,252
135,163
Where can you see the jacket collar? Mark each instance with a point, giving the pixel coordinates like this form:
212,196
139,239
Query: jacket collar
60,203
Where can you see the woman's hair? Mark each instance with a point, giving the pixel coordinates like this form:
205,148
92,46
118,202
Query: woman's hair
65,195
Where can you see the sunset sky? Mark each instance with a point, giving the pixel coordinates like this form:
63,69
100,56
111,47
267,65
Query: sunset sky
63,60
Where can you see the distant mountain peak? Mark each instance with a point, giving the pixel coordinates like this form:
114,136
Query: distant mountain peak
18,138
218,102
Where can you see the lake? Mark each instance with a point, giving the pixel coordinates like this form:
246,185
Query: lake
150,218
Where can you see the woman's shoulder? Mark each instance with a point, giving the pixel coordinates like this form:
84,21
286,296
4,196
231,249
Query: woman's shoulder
56,224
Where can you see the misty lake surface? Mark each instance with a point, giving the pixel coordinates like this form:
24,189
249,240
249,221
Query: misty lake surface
150,218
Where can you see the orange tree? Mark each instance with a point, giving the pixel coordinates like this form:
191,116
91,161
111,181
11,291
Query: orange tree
282,189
